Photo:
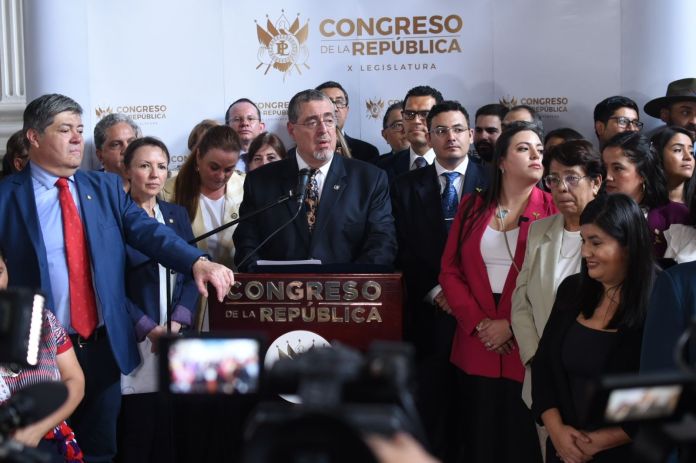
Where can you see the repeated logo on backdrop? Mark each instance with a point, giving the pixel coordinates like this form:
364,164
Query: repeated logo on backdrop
282,46
142,114
548,107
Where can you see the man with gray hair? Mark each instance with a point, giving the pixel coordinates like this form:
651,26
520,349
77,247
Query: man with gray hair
65,231
346,215
112,135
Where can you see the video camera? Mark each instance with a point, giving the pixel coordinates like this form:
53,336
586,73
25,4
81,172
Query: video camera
343,395
21,322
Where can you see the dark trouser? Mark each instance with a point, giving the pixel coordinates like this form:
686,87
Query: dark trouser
145,429
499,427
94,420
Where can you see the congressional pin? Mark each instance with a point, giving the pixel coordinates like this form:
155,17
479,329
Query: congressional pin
337,187
234,215
89,197
171,220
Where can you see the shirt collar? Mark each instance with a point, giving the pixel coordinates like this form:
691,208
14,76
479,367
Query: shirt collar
461,168
428,156
44,177
301,164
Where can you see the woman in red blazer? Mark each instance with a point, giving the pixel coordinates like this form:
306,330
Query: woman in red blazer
482,258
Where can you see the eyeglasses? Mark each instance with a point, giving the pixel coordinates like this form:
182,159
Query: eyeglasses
410,115
442,131
312,124
397,126
339,103
554,181
624,122
251,120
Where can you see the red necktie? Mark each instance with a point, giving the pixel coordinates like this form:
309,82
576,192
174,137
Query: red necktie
83,307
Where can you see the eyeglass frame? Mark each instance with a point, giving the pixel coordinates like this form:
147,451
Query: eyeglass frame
394,124
564,179
410,115
634,122
446,130
313,123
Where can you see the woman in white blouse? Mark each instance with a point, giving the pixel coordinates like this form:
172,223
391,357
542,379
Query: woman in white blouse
210,189
574,176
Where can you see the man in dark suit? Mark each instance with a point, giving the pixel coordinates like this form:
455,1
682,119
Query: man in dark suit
50,204
358,149
393,129
346,217
424,203
417,104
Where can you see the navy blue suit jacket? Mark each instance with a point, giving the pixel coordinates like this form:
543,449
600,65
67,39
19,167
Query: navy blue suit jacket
111,219
421,233
672,308
142,279
395,164
354,221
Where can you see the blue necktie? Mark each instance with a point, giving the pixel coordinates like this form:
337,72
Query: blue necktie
420,162
449,198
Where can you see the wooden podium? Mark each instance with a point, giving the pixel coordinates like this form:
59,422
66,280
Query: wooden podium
355,309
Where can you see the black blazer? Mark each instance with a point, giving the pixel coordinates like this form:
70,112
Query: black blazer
354,221
550,385
395,164
421,235
362,150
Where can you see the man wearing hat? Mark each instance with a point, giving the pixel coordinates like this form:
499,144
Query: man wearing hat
678,107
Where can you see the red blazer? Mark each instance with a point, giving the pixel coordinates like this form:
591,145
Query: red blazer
470,296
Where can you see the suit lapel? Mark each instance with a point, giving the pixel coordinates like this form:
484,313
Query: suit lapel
24,195
334,185
472,178
549,251
90,209
428,189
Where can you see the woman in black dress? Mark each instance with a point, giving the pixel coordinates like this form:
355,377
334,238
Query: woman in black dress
595,329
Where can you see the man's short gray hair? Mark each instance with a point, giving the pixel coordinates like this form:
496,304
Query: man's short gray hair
109,121
40,112
305,96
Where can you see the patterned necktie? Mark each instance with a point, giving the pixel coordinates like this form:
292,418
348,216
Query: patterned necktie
83,307
420,162
312,200
449,198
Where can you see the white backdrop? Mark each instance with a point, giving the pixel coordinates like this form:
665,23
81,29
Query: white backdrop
171,63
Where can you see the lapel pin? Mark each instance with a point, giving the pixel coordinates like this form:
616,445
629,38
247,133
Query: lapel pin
337,187
171,220
536,215
89,197
234,215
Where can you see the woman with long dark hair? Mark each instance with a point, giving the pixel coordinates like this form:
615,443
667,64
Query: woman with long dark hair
595,328
482,258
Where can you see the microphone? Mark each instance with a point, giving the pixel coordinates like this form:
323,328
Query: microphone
522,219
31,404
302,180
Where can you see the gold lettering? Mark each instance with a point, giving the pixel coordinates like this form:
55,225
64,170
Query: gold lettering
254,290
323,314
366,27
266,314
332,291
232,294
358,315
374,315
293,313
419,23
382,30
358,48
308,317
342,31
322,28
458,23
274,290
281,314
314,289
350,290
435,24
294,290
401,25
371,290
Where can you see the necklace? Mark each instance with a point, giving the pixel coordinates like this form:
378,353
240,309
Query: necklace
501,214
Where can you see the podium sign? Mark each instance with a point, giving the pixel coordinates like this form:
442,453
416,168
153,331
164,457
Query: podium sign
355,309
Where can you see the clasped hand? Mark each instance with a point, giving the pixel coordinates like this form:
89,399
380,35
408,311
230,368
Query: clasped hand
495,335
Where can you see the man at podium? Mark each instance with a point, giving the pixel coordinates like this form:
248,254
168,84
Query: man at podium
344,217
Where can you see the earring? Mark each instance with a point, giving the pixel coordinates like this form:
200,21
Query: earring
502,170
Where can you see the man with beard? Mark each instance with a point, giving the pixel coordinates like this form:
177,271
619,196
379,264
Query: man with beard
488,125
678,107
417,104
346,216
